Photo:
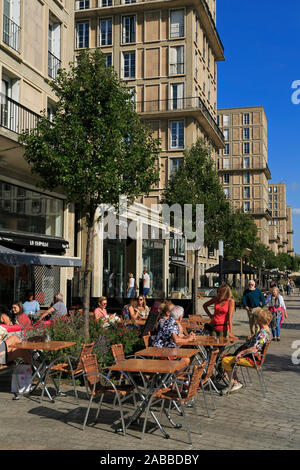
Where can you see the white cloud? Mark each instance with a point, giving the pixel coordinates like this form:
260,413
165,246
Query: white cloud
296,211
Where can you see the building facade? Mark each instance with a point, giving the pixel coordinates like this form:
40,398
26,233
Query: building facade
35,41
243,163
281,217
168,53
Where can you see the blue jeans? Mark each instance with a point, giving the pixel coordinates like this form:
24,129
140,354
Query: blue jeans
130,292
276,332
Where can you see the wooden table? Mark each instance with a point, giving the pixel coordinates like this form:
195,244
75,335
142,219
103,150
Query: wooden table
41,370
212,341
162,373
167,352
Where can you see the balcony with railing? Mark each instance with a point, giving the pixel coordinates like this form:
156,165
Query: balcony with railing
16,117
227,167
54,64
180,107
11,33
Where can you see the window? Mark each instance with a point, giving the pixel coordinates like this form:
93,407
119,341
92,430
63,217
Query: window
53,49
129,32
226,163
226,149
174,165
176,60
275,189
177,134
82,4
246,192
106,3
177,96
246,118
246,178
226,134
128,64
246,147
218,119
226,120
270,197
126,2
246,162
246,206
11,23
226,178
177,24
275,197
227,193
246,133
275,214
108,60
106,32
82,34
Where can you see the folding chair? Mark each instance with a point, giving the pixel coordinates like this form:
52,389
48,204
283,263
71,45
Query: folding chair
258,366
181,397
98,385
68,368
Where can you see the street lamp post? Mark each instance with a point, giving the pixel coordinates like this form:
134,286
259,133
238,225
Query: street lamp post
221,256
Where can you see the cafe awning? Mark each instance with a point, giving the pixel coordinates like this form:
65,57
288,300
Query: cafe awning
232,266
16,258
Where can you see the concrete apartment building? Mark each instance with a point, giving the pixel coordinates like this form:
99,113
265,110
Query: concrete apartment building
281,230
35,40
168,53
243,163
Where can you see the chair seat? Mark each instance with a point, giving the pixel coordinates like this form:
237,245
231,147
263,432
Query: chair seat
63,367
170,394
123,390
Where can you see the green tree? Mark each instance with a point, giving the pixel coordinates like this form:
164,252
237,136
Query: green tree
95,148
197,182
258,257
241,234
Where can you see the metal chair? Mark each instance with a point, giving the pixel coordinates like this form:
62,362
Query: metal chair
207,380
180,397
258,366
98,385
66,367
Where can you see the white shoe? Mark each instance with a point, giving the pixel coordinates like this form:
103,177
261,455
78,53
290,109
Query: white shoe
236,386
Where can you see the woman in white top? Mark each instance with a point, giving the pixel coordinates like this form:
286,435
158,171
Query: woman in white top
131,286
277,306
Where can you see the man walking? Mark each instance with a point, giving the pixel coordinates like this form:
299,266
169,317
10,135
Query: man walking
146,284
252,299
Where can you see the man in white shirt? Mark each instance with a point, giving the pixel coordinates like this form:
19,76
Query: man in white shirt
146,284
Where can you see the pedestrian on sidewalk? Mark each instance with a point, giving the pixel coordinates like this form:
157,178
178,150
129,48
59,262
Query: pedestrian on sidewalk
253,298
277,307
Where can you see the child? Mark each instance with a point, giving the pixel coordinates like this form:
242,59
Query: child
254,345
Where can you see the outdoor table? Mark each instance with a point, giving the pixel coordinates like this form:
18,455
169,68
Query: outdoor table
40,371
167,352
162,374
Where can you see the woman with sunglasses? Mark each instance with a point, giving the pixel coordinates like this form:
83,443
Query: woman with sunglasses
142,308
100,312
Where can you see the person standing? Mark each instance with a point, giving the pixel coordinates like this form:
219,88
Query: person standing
277,307
146,284
288,286
131,286
221,320
252,299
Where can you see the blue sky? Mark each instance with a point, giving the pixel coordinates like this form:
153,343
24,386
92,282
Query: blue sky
262,49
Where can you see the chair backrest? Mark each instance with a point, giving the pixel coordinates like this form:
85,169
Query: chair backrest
265,350
211,363
37,339
195,380
118,352
150,323
146,340
90,366
85,351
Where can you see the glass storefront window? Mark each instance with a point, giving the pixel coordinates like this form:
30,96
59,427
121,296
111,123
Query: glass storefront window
153,260
29,211
114,252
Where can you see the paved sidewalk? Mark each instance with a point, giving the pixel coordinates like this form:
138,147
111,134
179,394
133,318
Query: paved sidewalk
243,420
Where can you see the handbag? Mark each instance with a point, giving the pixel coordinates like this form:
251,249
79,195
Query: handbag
21,379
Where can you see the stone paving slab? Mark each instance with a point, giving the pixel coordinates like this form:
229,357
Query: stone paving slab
243,420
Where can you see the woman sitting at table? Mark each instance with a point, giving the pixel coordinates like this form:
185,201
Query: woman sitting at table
17,316
163,314
100,312
221,321
171,335
142,309
31,307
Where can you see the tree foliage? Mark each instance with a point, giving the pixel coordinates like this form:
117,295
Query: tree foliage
241,233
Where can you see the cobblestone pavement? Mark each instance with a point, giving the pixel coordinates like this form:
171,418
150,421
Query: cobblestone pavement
243,420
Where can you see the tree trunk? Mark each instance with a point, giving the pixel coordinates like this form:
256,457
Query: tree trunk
87,276
196,281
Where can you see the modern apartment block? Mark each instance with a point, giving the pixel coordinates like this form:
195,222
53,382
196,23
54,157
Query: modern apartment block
35,41
168,53
281,223
243,163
